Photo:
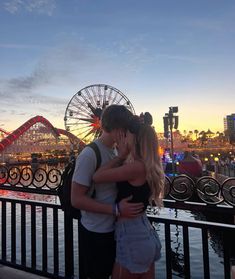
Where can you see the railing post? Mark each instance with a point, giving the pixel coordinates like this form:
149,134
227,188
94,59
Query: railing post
68,245
226,246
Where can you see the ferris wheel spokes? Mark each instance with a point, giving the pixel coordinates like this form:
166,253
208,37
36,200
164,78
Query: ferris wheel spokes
83,113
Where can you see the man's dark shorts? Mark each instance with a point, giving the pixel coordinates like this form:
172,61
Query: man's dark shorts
96,254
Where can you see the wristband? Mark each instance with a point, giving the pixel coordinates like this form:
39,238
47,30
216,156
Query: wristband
114,209
117,208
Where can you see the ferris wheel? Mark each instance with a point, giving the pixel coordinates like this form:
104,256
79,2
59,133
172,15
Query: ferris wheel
83,112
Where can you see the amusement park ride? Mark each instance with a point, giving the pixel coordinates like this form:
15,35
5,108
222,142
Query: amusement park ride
82,123
82,115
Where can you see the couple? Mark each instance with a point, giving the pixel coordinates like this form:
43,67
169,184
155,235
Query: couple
124,186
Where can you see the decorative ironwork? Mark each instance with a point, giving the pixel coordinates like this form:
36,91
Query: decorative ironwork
167,187
209,190
180,188
27,178
228,191
206,189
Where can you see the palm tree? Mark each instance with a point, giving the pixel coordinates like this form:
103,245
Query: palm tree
201,133
196,133
190,133
203,137
209,133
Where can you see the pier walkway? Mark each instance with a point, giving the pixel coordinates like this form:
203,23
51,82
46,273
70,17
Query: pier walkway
12,273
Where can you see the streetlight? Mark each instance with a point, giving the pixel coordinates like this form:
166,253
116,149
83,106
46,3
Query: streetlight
171,121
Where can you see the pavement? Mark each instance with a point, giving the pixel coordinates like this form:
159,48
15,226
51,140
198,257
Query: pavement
12,273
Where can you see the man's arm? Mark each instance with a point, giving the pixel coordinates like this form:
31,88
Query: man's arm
80,199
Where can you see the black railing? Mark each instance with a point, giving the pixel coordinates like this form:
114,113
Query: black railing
40,238
26,233
181,188
225,230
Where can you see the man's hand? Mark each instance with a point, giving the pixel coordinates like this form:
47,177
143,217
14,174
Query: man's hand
130,210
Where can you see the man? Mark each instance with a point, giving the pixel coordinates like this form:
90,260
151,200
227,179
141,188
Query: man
97,245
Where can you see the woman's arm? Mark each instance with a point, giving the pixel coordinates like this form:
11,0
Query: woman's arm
114,163
113,173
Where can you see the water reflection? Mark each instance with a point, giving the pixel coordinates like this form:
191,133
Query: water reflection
29,196
195,248
177,255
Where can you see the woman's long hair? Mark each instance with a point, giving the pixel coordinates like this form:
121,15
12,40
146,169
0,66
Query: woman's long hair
148,150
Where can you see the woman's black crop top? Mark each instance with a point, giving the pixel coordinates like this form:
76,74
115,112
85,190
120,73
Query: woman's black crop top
139,193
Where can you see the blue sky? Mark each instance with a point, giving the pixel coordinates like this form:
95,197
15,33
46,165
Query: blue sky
158,53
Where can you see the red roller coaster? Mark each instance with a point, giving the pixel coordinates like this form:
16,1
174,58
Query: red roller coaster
4,131
12,137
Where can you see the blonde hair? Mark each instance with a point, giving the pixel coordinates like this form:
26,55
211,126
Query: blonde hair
148,149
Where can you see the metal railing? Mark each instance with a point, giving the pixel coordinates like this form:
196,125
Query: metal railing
39,237
226,231
25,236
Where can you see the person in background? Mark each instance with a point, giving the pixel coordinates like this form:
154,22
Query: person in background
195,155
190,165
97,246
138,172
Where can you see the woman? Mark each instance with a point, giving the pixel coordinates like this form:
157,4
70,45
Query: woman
139,174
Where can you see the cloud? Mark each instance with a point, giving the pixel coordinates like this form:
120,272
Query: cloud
23,46
182,58
22,92
39,6
208,24
38,77
68,68
56,68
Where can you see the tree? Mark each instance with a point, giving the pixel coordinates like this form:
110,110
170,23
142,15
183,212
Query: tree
209,133
196,133
190,133
203,137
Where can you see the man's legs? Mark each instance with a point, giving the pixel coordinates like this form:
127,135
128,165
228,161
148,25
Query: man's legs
96,254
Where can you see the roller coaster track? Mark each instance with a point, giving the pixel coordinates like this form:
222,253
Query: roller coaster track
4,131
11,137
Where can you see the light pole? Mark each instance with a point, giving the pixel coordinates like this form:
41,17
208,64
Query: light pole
171,121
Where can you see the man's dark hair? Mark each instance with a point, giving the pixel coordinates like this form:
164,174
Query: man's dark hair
115,117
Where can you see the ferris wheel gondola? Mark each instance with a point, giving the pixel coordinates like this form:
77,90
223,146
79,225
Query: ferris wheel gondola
83,112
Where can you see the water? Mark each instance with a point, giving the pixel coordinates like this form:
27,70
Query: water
196,256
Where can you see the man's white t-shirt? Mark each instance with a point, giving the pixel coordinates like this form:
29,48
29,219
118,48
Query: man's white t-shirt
104,192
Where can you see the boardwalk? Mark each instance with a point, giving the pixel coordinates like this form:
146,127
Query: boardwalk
11,273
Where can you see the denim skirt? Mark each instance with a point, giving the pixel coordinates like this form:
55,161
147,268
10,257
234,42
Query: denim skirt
138,244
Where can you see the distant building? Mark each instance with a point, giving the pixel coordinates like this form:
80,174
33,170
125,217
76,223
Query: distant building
225,124
229,126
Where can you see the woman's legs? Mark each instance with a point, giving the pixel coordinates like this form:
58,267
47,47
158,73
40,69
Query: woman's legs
149,274
120,272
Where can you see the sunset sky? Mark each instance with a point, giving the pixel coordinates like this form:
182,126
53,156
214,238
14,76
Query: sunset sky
158,53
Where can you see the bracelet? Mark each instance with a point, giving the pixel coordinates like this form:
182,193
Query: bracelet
114,209
117,209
